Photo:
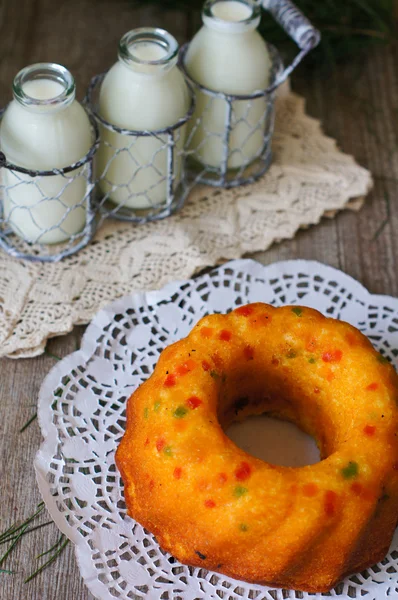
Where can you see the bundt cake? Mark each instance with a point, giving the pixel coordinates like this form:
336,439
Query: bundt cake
211,504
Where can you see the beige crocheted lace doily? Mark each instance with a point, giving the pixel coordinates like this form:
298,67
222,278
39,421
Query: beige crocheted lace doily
309,178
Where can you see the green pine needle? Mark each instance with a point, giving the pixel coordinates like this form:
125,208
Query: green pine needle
14,534
10,531
54,356
14,529
28,422
60,539
17,531
13,544
60,549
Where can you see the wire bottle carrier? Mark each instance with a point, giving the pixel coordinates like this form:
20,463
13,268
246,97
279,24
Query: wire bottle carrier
169,147
242,111
180,158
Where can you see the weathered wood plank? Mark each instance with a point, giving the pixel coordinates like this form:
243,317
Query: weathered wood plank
358,106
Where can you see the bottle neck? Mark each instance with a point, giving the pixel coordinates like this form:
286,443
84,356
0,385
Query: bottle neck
148,51
44,87
231,16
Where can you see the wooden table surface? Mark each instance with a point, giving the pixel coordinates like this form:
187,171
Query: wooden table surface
358,105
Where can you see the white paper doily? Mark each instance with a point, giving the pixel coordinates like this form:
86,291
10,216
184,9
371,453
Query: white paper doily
81,414
309,178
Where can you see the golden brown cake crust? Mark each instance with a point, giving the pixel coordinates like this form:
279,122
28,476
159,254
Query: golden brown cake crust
214,506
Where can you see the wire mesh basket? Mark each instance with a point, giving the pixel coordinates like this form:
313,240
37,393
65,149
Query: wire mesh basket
140,175
238,149
229,142
40,218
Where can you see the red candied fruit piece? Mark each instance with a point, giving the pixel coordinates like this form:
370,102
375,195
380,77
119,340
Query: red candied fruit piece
186,367
310,489
316,390
264,319
205,365
217,361
244,311
372,386
170,380
311,345
330,503
364,493
210,503
160,444
332,356
146,442
248,353
275,361
357,488
351,339
194,402
181,370
177,473
243,471
225,335
151,484
206,332
222,478
369,430
203,484
330,376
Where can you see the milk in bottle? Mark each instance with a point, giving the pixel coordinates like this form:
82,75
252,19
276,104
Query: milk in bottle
43,128
144,90
228,55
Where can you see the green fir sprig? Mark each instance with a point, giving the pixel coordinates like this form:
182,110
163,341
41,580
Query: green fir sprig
57,548
347,26
14,534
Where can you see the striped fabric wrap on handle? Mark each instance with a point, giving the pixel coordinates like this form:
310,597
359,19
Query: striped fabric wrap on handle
294,22
297,26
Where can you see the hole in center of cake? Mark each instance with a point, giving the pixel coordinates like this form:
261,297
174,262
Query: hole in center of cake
275,441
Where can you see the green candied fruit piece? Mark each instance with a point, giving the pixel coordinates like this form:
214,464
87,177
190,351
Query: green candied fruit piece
146,412
297,311
350,471
240,491
180,412
156,406
168,451
291,354
243,527
382,359
214,374
312,360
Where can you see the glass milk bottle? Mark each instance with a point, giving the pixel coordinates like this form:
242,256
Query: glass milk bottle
144,90
228,55
43,128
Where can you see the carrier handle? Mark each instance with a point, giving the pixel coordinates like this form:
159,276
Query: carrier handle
297,26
